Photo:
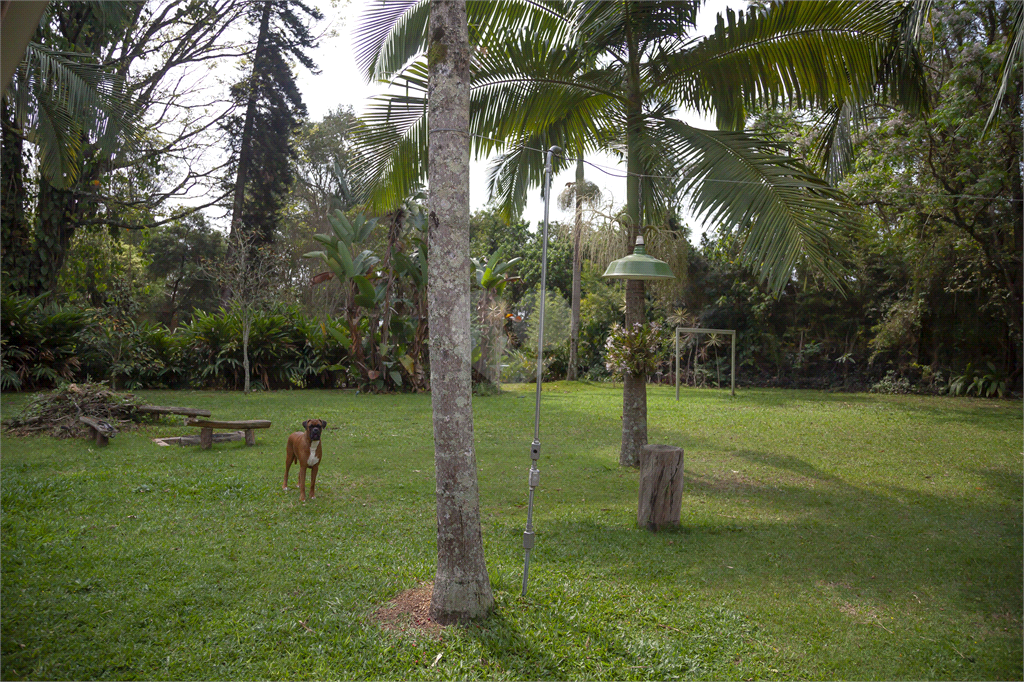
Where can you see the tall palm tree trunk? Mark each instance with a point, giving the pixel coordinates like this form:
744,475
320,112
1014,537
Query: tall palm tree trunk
462,587
634,387
577,264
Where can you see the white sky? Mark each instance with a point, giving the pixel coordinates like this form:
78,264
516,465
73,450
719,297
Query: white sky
340,83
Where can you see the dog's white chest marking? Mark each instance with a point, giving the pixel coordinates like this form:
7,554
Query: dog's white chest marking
313,458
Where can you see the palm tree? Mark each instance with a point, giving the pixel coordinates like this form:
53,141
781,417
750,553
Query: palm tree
462,588
62,101
577,194
528,93
76,109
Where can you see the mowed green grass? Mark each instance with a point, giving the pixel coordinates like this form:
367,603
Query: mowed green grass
823,536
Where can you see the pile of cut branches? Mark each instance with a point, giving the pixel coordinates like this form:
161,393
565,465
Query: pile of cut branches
56,413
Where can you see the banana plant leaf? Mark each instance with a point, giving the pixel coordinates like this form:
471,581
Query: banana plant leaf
368,297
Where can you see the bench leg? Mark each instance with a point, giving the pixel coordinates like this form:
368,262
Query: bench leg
205,438
101,440
250,437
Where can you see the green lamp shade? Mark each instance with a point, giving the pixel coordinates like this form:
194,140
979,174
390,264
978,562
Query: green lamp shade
639,265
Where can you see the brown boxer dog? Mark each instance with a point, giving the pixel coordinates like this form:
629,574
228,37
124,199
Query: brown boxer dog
304,447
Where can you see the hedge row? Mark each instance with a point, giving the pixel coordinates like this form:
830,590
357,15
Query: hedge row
42,344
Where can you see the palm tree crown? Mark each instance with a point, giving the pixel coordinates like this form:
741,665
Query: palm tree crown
610,75
530,92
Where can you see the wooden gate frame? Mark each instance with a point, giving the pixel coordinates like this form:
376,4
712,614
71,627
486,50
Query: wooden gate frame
701,330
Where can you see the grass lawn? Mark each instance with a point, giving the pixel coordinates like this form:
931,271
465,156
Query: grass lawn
823,536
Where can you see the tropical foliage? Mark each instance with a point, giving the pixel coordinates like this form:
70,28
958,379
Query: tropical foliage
908,280
633,351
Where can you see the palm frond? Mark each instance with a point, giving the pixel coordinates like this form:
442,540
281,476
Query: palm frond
531,87
506,103
833,153
606,25
781,208
391,34
395,163
800,54
1012,60
513,173
63,102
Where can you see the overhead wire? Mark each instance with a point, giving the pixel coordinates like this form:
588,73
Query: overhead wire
607,170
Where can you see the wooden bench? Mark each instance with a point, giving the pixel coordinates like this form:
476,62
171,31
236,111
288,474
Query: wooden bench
187,411
207,426
99,429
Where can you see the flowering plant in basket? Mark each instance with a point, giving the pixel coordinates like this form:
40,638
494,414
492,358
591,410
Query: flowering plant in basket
632,350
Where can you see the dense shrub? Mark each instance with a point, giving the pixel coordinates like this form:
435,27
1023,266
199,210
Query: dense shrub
39,341
42,344
285,350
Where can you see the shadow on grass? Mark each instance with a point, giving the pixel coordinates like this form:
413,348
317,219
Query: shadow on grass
517,652
880,541
974,412
1009,484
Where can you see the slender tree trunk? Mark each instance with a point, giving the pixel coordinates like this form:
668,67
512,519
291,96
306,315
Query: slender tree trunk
577,264
245,148
246,326
394,231
634,388
462,587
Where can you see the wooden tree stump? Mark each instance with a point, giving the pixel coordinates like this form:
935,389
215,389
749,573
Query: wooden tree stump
661,487
206,438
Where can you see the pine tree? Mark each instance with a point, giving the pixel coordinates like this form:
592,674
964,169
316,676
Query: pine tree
262,146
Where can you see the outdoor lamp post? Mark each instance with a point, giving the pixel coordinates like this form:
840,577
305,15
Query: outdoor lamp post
635,268
638,265
528,535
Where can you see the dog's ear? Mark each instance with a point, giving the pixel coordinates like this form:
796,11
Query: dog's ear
304,424
323,423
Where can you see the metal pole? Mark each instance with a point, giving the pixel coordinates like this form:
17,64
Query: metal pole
677,364
528,536
734,364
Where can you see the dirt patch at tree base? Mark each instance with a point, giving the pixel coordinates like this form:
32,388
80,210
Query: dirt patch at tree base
409,613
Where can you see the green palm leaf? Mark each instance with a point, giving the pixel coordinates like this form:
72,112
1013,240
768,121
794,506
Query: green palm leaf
798,54
392,34
833,152
1013,58
508,91
609,26
63,103
782,209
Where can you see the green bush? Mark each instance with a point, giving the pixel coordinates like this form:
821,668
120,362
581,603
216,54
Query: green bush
39,344
892,384
988,384
285,350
